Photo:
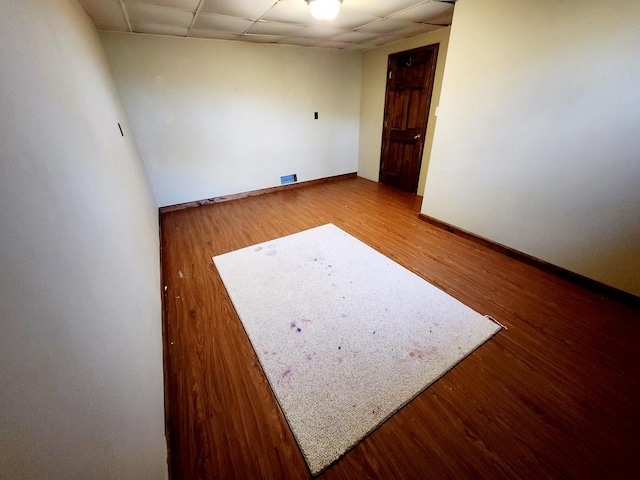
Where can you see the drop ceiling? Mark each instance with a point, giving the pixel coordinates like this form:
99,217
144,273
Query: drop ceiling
360,25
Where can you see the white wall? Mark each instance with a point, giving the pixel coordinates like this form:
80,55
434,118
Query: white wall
213,117
537,144
81,391
374,84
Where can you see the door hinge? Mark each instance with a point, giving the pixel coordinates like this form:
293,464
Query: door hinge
390,73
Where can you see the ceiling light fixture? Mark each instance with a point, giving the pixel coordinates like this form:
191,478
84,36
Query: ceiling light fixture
324,9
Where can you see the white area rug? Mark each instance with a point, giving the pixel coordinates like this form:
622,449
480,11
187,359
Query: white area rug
345,335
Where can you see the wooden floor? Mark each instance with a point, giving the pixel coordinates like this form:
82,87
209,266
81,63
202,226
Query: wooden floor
555,396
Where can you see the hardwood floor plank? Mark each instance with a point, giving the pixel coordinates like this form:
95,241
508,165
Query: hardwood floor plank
557,395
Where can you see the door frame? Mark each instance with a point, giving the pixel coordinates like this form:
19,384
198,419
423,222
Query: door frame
430,85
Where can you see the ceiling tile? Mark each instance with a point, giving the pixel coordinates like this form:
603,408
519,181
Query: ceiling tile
319,32
360,24
355,37
432,12
384,8
189,5
222,23
290,11
206,33
351,19
249,9
303,42
274,28
112,24
261,38
333,44
159,29
140,13
386,26
417,29
102,8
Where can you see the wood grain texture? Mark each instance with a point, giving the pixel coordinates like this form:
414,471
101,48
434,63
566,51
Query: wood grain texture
254,193
406,113
555,396
589,283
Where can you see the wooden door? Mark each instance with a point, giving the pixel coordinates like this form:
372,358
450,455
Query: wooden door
410,77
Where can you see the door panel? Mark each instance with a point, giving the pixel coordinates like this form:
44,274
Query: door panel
407,102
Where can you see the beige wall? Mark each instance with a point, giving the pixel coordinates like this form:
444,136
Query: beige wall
537,144
374,74
213,117
81,390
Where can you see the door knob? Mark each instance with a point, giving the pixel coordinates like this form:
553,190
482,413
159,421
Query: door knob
416,137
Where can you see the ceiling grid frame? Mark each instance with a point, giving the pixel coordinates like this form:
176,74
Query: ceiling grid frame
361,24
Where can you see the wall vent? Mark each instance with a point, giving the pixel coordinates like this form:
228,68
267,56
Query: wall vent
289,178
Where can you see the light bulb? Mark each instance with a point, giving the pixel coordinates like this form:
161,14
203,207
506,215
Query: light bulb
324,9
